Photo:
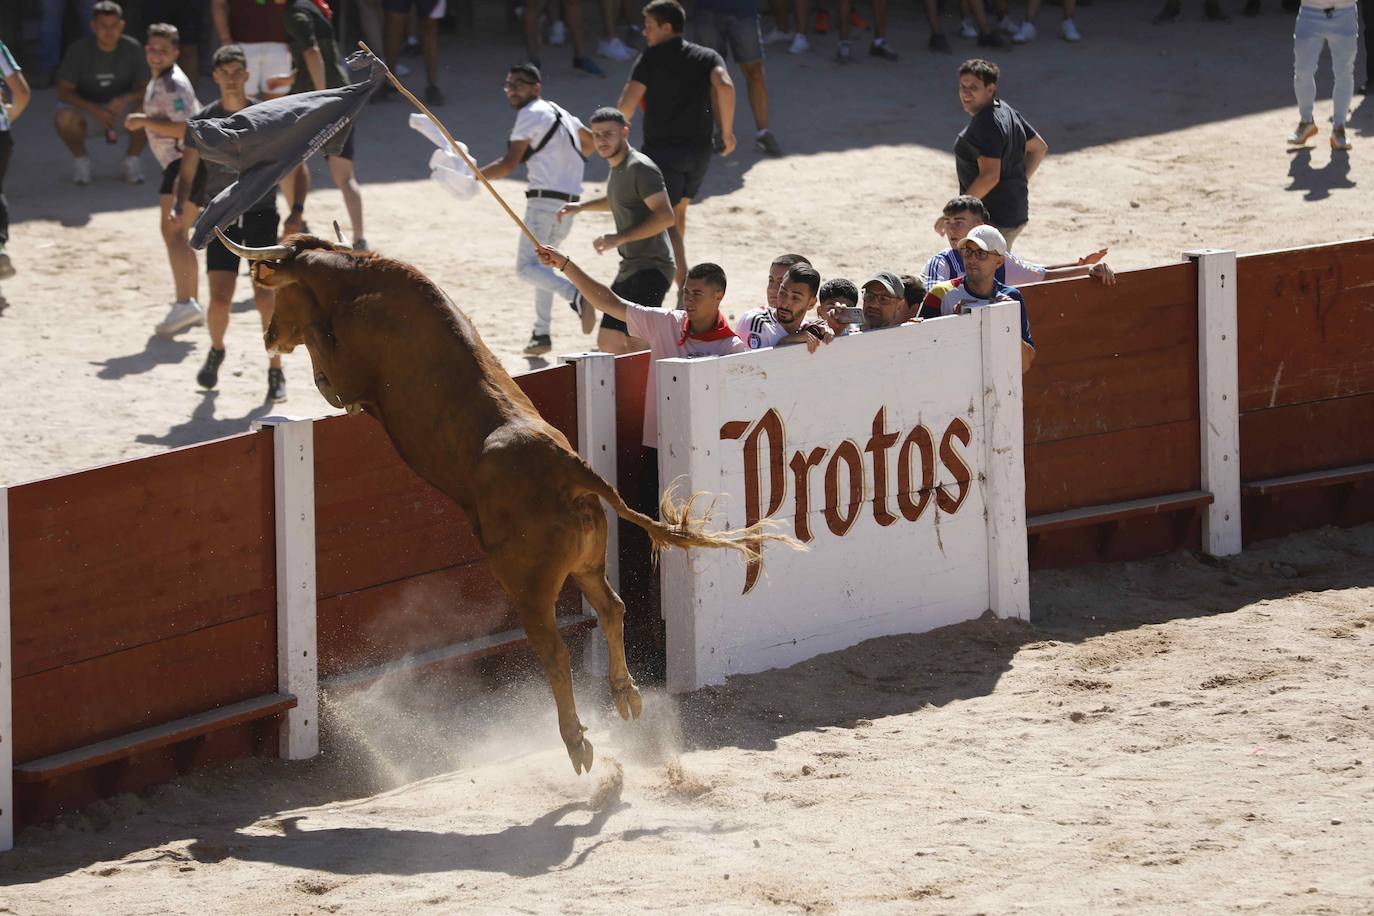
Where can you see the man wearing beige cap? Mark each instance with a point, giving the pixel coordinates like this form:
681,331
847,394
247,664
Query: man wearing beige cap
983,251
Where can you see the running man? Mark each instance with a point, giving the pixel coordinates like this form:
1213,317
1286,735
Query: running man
13,78
638,202
257,228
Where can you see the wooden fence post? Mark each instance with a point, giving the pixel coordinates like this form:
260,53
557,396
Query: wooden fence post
1005,475
597,446
1218,398
293,468
6,683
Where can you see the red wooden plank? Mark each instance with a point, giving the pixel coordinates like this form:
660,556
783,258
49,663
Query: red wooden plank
1264,517
1135,539
388,622
130,553
67,707
1115,513
1306,319
554,393
376,521
1130,464
1112,358
1306,437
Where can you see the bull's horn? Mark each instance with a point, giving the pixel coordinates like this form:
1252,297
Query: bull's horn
270,253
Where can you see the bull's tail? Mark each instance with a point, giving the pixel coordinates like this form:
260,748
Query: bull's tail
680,528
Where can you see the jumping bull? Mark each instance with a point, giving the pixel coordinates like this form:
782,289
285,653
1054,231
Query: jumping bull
386,340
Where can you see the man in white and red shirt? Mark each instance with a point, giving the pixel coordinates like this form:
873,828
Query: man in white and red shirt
784,321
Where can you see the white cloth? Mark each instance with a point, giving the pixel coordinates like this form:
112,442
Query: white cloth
759,328
446,167
662,331
264,60
559,165
171,97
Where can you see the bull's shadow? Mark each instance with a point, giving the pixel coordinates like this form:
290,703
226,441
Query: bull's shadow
158,351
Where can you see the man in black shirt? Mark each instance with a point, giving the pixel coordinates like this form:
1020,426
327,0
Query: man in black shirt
687,93
997,152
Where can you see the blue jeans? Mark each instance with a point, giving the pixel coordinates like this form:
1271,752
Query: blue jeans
51,49
1340,32
541,217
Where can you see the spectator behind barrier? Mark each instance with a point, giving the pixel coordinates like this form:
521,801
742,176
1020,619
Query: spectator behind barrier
884,302
983,250
964,213
102,76
837,293
786,322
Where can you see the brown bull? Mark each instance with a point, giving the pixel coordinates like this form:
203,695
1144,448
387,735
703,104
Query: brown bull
384,339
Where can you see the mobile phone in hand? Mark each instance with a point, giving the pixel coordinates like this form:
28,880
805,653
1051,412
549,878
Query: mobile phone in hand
847,314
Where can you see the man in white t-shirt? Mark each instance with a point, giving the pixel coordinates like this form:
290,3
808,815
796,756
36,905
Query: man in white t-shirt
964,213
554,146
786,321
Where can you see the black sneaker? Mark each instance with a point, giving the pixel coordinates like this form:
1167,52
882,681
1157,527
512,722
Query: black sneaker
588,66
882,50
992,40
539,345
276,386
434,96
208,376
940,44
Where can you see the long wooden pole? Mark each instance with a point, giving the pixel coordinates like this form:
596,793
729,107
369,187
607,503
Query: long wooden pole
456,148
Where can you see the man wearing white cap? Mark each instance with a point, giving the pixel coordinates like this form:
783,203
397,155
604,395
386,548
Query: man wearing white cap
983,251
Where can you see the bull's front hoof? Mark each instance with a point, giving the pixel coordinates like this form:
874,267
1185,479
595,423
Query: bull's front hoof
627,700
581,755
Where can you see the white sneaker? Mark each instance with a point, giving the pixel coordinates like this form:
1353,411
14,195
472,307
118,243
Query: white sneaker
967,29
81,172
1006,26
799,44
776,35
1024,34
558,34
401,69
1069,32
131,171
615,49
180,316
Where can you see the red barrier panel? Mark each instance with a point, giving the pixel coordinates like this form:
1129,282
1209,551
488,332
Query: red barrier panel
1306,322
1111,408
399,570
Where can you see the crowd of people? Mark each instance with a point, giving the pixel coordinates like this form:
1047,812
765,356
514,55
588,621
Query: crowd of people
111,86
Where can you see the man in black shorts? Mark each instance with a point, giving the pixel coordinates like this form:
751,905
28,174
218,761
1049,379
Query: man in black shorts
316,65
257,228
687,93
638,201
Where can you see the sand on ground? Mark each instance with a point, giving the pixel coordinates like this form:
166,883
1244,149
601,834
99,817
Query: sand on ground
1166,736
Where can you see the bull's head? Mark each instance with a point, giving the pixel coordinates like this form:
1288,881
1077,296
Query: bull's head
299,316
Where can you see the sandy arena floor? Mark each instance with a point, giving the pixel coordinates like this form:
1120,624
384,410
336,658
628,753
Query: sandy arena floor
1168,736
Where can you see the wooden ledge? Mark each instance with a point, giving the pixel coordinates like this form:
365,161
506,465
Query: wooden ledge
1335,476
1115,512
49,768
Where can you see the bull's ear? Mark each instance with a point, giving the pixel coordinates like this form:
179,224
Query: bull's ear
272,275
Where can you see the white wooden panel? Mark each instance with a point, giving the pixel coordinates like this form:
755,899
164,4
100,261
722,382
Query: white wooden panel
1005,475
6,683
297,664
596,431
1219,398
869,570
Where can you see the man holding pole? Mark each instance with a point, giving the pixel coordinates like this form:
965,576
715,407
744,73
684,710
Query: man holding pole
554,145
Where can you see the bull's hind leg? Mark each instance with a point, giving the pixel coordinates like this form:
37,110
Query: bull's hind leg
534,593
610,614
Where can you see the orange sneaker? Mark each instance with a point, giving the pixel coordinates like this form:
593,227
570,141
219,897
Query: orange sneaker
856,21
822,21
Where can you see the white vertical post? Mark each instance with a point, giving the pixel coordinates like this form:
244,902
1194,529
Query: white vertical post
596,443
1004,484
689,459
6,684
1219,398
297,667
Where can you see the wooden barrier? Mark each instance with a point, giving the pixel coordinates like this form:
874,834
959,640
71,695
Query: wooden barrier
1111,414
1307,388
119,582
